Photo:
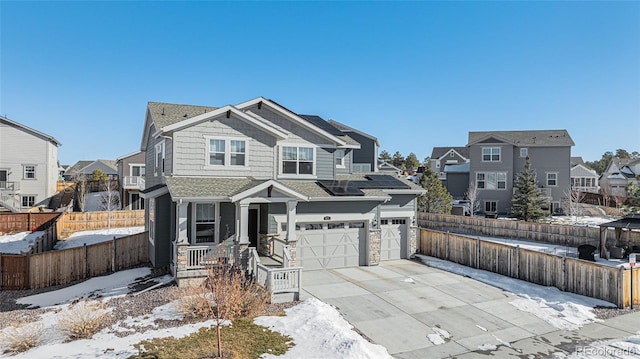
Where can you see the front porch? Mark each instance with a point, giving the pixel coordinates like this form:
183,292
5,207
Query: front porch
281,279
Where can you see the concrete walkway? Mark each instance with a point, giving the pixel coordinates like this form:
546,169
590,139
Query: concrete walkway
411,309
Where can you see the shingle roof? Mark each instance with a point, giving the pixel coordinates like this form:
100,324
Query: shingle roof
193,187
437,152
362,177
531,138
165,114
328,127
576,161
77,167
346,128
31,130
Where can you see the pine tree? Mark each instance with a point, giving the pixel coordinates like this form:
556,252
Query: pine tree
437,199
527,201
385,156
398,160
411,161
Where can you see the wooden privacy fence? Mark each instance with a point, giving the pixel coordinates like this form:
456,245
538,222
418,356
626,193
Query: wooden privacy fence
85,221
20,222
544,232
68,265
612,284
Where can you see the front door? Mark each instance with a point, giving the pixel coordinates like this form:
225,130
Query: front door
253,228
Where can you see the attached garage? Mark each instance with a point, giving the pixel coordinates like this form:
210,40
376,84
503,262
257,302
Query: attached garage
392,238
331,245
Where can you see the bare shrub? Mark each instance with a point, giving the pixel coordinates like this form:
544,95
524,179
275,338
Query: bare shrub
83,320
193,301
254,300
22,337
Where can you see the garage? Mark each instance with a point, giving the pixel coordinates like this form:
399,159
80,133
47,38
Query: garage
393,233
331,245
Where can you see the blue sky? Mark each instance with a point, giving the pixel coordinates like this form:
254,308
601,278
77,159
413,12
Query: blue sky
414,74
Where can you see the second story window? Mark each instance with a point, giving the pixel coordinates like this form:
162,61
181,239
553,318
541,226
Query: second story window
491,180
159,170
340,159
297,160
552,179
524,152
227,152
29,172
137,170
490,154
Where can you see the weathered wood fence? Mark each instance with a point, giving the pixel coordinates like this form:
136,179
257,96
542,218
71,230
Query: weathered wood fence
567,274
543,232
85,221
20,222
67,265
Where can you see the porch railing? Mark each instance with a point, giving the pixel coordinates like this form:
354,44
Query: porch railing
199,257
9,186
9,202
133,182
276,280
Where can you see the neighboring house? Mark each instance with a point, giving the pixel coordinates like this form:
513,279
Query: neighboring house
619,173
583,178
386,167
28,166
451,166
497,157
86,168
131,172
259,175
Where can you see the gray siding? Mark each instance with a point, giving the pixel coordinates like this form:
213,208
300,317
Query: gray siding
400,202
297,132
227,220
336,207
457,184
368,152
552,159
325,165
150,162
348,163
275,209
503,197
160,250
191,157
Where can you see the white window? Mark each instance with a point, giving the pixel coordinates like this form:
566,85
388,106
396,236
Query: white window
28,201
137,170
298,160
552,179
340,158
205,222
491,180
152,219
29,172
159,170
227,152
524,152
491,206
490,154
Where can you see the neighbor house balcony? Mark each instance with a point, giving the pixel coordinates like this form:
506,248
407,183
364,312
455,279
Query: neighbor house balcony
9,186
133,182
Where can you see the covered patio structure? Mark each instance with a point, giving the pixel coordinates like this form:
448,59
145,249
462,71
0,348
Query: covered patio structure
630,225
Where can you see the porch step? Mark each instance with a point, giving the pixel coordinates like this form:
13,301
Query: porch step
270,262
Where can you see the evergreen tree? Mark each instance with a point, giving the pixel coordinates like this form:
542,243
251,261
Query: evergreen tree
527,201
99,175
412,162
437,199
398,160
385,156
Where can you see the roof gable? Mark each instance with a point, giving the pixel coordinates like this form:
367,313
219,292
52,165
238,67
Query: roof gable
30,130
344,128
439,152
528,138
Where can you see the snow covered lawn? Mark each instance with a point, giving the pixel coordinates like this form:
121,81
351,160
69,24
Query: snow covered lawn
18,243
79,239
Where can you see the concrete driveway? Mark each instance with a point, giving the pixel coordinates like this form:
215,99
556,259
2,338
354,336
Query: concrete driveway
420,312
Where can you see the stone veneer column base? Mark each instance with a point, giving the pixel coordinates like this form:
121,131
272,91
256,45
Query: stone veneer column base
374,246
413,241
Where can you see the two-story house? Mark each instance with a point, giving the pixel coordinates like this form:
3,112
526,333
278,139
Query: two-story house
259,175
131,172
451,164
583,178
366,158
496,158
28,166
619,173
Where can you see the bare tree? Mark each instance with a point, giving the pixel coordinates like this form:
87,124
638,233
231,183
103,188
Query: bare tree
472,197
605,191
572,202
110,198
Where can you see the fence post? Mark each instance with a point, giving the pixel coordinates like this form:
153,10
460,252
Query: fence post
448,247
27,279
517,276
1,276
113,255
565,274
620,288
86,261
477,252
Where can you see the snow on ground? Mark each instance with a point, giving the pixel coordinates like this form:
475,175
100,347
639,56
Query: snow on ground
319,331
115,284
581,220
79,239
628,348
563,310
94,201
18,243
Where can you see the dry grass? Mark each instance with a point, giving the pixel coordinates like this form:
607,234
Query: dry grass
83,320
193,302
20,338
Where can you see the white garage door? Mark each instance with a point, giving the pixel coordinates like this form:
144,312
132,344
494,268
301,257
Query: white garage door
330,245
394,231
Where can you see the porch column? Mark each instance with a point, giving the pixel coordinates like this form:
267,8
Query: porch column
181,220
291,220
243,223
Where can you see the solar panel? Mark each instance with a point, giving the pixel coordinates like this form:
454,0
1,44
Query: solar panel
341,188
383,182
